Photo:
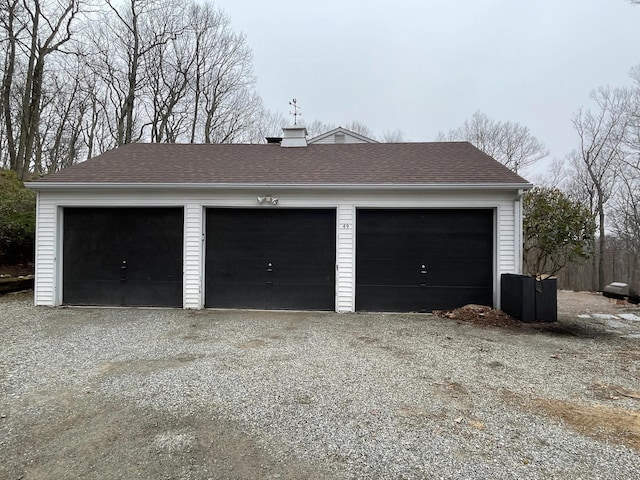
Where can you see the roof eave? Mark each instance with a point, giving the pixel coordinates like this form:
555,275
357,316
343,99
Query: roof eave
281,186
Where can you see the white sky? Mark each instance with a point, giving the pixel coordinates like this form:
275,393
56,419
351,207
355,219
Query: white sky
426,66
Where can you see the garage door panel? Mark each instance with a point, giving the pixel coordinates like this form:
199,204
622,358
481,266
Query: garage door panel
455,246
419,299
166,293
403,272
302,272
396,271
93,291
270,297
460,271
123,256
238,295
270,258
235,270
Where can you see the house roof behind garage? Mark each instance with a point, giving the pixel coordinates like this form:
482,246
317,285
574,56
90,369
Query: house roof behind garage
437,163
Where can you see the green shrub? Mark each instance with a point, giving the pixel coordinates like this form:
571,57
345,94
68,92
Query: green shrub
17,220
557,231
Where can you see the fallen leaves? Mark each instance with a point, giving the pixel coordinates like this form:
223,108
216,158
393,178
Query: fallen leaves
479,315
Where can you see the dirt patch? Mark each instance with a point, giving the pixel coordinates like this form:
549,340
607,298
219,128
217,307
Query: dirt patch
603,423
570,306
255,343
578,303
614,392
79,435
569,327
479,315
452,389
16,270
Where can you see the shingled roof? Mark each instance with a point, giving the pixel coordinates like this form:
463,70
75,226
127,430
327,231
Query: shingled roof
437,163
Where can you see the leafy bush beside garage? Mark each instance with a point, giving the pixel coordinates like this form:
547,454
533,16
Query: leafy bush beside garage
17,220
557,230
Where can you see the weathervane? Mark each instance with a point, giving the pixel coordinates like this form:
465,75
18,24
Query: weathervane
296,111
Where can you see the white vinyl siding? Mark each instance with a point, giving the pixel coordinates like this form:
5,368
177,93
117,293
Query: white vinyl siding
506,247
508,252
193,257
331,139
46,246
345,259
49,227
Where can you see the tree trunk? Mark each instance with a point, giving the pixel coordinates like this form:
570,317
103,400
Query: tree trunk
601,246
7,82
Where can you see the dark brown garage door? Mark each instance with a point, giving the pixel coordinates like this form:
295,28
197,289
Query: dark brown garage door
423,260
123,256
270,258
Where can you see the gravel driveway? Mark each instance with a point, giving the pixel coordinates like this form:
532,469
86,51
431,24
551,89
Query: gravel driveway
172,394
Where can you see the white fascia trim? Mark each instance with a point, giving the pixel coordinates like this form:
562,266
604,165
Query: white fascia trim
300,186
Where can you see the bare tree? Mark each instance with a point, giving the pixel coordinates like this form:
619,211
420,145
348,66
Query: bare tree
34,32
175,71
265,124
602,134
626,218
226,106
130,35
318,127
169,70
479,130
64,109
633,139
359,128
556,176
510,143
393,136
78,81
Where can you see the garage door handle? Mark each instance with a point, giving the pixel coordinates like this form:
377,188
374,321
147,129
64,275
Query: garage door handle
269,283
423,269
123,271
269,267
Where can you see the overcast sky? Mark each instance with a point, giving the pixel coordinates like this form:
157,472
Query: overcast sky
426,66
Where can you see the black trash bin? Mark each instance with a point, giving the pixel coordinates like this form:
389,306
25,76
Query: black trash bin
518,296
547,300
527,299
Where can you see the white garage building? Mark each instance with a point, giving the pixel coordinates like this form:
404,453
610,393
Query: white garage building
333,223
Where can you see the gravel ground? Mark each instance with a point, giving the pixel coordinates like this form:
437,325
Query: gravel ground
172,394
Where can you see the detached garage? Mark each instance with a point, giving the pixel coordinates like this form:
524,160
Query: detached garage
291,224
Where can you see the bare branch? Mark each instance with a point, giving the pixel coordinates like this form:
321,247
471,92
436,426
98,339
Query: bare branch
511,144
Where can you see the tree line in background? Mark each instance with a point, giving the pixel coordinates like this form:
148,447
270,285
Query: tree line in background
602,175
82,76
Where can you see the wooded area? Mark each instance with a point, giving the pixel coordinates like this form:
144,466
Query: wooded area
80,77
602,174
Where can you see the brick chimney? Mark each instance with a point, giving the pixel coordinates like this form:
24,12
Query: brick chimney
294,137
